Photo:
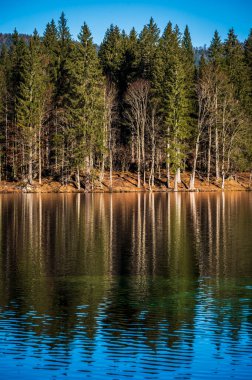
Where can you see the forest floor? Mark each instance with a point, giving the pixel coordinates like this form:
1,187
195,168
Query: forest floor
127,182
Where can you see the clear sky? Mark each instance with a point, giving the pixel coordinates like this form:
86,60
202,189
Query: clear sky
203,17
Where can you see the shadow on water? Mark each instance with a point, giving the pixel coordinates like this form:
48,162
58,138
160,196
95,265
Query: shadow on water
126,285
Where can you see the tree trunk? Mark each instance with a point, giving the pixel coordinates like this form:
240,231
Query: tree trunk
62,165
87,165
153,149
192,179
178,173
175,182
56,148
143,150
30,165
223,162
209,153
6,138
110,169
217,170
168,175
138,166
0,164
102,168
39,158
223,181
78,177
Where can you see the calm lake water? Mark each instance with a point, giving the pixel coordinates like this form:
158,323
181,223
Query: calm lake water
126,286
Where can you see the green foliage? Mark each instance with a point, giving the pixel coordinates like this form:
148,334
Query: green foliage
86,106
148,47
54,102
173,94
111,53
32,86
215,51
236,67
51,50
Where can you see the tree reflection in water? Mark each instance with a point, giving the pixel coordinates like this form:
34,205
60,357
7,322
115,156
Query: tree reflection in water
126,283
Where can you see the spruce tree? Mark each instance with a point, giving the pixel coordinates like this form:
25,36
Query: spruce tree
248,53
236,67
65,49
190,83
61,97
18,63
148,43
174,100
51,49
215,51
131,58
86,108
4,109
190,72
111,54
216,59
30,106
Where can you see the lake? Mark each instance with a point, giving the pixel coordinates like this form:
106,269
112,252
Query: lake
126,286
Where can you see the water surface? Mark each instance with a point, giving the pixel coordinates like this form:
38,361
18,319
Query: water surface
119,286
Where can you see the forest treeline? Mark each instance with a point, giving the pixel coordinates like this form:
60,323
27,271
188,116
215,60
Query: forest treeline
139,102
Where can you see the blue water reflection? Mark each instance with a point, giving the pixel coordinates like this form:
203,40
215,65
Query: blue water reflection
77,302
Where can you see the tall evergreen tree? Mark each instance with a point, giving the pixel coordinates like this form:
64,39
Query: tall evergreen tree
174,102
215,51
131,58
190,82
61,97
86,107
18,63
236,67
51,47
190,70
111,54
148,43
216,58
4,109
30,106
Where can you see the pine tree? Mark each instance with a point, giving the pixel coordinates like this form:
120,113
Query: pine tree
4,109
215,51
131,58
190,73
111,54
148,43
51,48
216,58
248,53
30,106
18,62
65,49
61,97
248,59
236,67
174,100
86,107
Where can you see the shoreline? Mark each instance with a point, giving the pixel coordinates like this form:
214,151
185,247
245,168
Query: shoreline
126,182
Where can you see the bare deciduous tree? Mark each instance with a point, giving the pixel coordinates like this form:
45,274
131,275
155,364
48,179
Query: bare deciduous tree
137,115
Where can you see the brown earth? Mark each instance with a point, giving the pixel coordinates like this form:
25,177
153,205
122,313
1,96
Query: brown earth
127,182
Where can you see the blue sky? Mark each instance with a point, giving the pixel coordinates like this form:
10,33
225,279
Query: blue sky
203,17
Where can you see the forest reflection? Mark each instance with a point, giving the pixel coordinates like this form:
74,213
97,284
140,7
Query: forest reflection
143,272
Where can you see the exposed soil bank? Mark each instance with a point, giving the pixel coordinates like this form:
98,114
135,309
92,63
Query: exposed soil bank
127,182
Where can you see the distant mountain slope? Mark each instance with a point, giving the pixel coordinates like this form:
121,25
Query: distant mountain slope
198,51
5,39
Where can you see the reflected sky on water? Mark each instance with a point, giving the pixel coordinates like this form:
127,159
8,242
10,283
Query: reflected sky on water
118,286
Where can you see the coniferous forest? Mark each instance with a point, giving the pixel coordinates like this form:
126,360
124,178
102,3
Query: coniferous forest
138,102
